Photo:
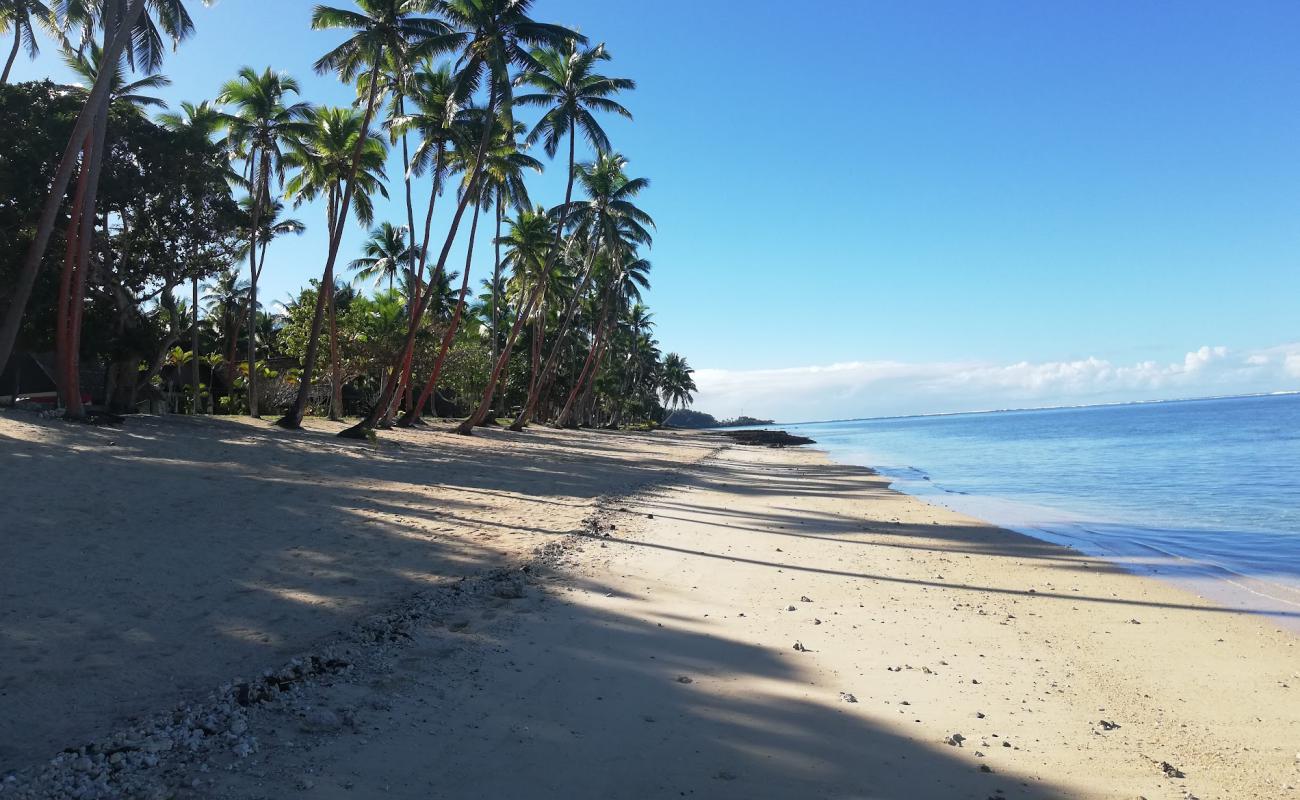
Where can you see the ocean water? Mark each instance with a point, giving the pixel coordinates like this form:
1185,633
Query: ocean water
1203,492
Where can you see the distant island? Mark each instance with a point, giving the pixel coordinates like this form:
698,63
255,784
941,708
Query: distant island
686,418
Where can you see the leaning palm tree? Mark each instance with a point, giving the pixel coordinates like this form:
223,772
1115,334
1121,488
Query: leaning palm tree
126,98
676,383
127,28
336,152
379,28
263,123
609,222
384,254
570,91
502,176
16,16
123,95
492,36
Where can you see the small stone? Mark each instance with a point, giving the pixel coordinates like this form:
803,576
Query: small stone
684,679
805,599
956,739
848,697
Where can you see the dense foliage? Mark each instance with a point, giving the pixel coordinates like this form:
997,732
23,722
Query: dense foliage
144,279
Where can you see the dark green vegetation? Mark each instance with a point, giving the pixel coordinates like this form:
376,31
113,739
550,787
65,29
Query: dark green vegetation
690,418
136,245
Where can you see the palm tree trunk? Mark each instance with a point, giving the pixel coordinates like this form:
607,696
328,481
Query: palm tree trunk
414,280
13,54
254,272
63,315
597,343
466,428
84,236
22,288
553,361
195,376
533,393
361,430
496,280
293,419
336,372
413,412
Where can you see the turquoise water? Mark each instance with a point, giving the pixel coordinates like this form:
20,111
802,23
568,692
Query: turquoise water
1206,491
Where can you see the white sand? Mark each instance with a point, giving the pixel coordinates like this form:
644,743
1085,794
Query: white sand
934,623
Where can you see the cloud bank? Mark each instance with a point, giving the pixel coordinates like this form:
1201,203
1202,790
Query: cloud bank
884,388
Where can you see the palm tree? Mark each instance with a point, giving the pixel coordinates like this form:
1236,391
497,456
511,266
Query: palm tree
570,91
381,28
126,29
201,121
262,125
332,153
676,383
491,36
125,97
16,15
502,177
384,255
609,222
623,281
227,300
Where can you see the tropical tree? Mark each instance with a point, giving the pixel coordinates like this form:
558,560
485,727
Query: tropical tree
200,121
380,28
227,303
337,151
502,177
384,255
492,36
676,383
126,28
125,98
263,124
609,223
570,91
16,17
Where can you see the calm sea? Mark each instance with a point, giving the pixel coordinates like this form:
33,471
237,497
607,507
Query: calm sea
1205,492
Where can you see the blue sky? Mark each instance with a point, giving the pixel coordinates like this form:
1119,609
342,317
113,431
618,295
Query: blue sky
950,188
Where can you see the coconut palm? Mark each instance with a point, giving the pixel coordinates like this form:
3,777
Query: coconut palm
502,176
337,150
676,383
123,95
126,28
570,91
608,221
385,254
227,303
380,29
491,37
202,121
16,17
262,125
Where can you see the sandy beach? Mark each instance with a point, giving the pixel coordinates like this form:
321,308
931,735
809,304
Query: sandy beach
229,611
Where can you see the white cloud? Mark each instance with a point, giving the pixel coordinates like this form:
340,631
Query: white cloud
876,388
